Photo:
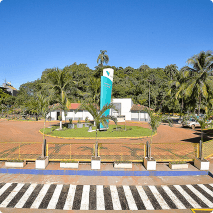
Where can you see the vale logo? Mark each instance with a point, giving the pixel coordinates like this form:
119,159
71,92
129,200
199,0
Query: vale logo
108,73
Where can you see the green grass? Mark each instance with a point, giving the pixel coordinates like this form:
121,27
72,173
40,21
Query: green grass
131,131
178,162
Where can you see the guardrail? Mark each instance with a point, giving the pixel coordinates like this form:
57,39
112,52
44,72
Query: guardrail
109,152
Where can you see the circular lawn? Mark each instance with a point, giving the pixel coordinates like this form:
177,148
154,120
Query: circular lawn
112,132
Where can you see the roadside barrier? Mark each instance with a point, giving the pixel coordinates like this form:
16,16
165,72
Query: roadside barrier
208,149
20,150
109,152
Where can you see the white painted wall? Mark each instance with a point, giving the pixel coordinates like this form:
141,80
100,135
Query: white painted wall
126,105
140,116
71,115
53,115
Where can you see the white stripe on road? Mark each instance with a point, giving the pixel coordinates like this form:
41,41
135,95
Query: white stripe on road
115,198
204,199
26,195
176,201
85,198
4,188
70,198
206,189
11,195
53,202
144,198
40,196
159,198
188,198
100,197
130,199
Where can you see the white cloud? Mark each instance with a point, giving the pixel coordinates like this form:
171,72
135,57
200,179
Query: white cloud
211,1
2,0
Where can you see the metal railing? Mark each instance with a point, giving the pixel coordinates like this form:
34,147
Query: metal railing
20,150
109,152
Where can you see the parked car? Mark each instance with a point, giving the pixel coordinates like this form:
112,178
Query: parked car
192,123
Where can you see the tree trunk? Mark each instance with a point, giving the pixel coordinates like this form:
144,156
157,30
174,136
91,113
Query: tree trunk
182,104
44,141
202,135
199,104
96,144
150,148
61,119
201,154
44,128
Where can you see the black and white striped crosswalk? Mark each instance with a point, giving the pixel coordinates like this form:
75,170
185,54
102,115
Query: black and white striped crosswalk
105,197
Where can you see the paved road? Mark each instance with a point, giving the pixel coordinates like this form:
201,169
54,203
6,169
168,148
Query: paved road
105,197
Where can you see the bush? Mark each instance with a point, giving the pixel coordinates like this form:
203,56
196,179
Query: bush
70,120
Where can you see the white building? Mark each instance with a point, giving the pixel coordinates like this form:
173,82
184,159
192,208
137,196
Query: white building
124,106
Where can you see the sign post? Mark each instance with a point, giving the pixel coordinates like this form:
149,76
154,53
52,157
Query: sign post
106,91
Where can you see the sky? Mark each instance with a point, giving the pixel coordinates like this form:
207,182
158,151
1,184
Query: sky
40,34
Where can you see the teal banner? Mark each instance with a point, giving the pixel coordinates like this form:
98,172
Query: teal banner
106,91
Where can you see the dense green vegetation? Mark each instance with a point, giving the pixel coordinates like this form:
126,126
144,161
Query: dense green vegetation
131,131
171,89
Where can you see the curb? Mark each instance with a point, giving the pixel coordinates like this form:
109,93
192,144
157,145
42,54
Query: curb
104,173
93,138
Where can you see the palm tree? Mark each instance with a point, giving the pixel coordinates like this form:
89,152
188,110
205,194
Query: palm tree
171,71
59,81
99,118
203,121
103,58
94,89
43,109
155,122
200,83
177,87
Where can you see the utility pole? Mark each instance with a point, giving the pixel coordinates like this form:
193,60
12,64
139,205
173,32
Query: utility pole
149,91
149,94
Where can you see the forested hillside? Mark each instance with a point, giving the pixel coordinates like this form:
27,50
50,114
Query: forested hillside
171,89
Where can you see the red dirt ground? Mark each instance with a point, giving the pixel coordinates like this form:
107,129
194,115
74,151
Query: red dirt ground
28,131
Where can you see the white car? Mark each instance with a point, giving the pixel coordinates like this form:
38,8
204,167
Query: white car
192,123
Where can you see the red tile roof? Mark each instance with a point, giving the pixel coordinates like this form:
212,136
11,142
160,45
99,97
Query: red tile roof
138,107
74,105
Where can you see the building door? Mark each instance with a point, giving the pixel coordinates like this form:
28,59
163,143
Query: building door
58,114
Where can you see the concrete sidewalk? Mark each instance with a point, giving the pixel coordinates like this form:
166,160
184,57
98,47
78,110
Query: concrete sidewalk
16,176
138,175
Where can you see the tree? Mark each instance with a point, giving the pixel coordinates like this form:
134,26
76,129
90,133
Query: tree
203,121
103,58
155,122
94,89
177,88
59,81
171,71
201,80
99,118
43,109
